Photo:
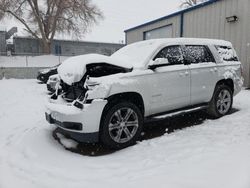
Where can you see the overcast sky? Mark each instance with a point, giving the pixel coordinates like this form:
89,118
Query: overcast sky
120,15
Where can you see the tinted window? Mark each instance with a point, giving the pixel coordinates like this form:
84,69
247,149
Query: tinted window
172,53
197,54
227,53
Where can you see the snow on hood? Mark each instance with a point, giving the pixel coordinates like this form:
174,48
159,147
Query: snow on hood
73,69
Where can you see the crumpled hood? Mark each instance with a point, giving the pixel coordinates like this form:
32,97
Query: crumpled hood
73,69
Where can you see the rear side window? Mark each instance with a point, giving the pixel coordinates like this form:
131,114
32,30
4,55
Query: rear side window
194,54
226,53
172,53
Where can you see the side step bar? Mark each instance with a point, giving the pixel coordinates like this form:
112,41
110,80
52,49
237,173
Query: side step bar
174,113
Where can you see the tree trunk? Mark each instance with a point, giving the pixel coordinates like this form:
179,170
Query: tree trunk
46,47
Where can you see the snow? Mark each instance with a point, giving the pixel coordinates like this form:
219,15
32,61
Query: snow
231,72
214,154
138,53
73,69
226,54
31,61
67,143
61,108
103,84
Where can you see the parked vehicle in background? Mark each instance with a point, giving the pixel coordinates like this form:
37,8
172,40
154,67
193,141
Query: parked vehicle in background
44,74
108,99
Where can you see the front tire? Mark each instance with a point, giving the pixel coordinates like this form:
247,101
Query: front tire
222,101
121,125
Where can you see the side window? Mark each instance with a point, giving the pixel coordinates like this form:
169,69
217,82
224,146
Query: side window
227,53
194,54
172,53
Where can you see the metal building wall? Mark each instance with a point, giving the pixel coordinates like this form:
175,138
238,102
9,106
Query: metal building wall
136,35
210,22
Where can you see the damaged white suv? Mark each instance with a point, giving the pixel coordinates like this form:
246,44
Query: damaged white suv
108,99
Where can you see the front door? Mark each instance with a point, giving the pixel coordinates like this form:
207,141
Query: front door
171,83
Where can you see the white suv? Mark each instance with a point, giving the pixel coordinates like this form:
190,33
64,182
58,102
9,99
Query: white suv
108,99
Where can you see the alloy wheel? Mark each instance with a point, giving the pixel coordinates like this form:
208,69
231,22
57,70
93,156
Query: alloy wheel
123,125
224,101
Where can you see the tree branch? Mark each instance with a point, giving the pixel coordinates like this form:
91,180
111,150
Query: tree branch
35,9
23,22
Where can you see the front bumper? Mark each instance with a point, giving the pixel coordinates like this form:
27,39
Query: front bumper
82,125
80,137
65,125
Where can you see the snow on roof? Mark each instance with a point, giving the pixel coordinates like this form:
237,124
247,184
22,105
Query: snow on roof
184,41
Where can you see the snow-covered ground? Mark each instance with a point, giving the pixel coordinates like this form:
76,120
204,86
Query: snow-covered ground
31,61
213,154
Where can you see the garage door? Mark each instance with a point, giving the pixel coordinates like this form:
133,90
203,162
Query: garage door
162,32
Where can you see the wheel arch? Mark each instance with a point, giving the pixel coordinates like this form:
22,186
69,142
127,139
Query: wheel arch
127,97
228,82
133,97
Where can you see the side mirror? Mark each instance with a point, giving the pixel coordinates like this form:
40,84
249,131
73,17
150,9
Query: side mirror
159,62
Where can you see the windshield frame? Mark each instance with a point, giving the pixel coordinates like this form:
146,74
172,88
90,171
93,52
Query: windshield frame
145,61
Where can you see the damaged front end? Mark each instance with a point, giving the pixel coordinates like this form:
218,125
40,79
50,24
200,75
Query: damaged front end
77,108
77,93
83,86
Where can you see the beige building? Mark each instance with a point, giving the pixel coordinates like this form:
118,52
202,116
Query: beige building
218,19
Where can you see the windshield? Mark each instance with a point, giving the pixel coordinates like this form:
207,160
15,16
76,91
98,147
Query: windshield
138,53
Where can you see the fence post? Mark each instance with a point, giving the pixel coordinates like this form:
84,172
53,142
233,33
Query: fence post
59,58
26,58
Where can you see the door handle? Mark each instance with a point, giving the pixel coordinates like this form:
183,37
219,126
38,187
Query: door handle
186,73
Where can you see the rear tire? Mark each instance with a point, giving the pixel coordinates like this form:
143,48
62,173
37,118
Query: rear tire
121,125
222,101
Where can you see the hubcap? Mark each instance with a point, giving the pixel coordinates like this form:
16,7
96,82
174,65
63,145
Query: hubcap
224,102
123,125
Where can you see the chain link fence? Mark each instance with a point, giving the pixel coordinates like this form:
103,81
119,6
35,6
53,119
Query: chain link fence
30,59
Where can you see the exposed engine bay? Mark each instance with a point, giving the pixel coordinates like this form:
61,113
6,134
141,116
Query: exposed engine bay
77,91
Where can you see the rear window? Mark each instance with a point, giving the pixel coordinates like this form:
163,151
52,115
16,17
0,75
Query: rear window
197,54
227,53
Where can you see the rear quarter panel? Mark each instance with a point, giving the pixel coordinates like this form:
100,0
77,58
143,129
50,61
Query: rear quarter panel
231,70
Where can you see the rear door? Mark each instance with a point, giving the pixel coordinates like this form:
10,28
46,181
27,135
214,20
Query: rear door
204,73
170,87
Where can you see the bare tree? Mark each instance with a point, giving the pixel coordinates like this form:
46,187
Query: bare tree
44,18
190,3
